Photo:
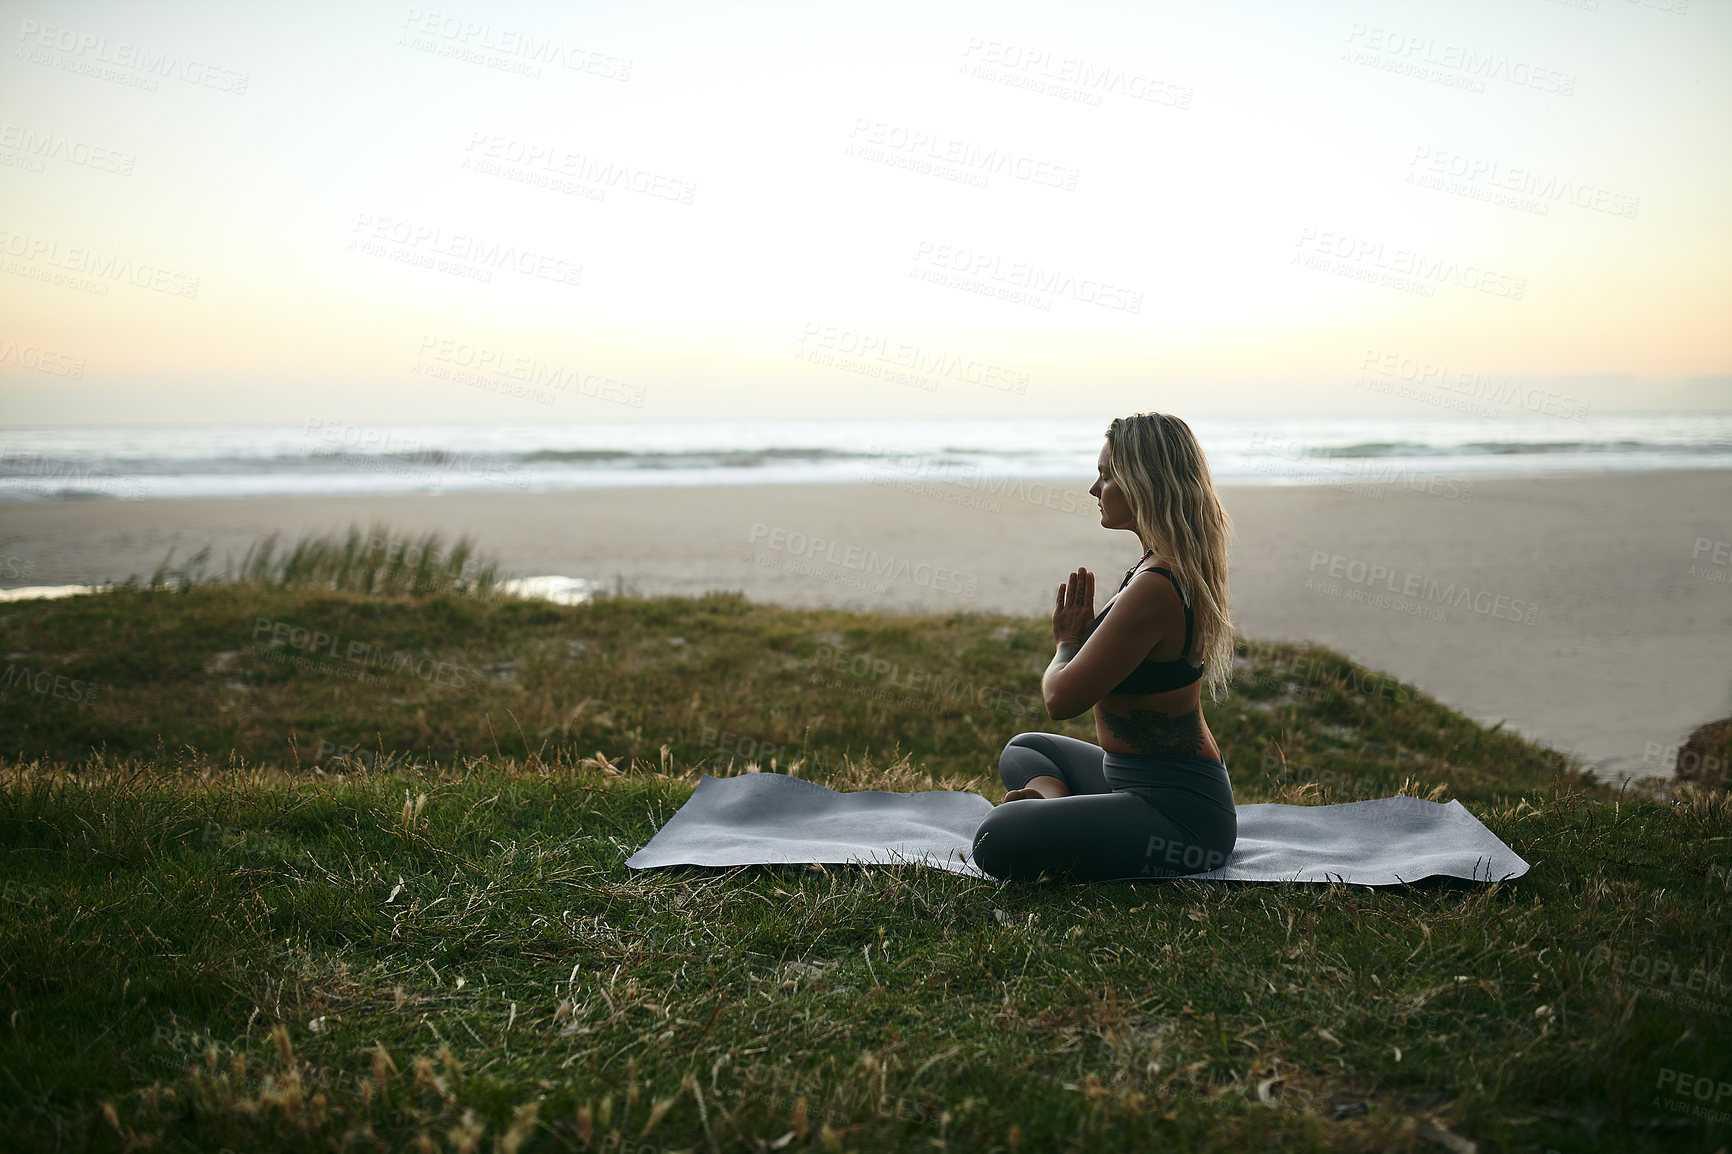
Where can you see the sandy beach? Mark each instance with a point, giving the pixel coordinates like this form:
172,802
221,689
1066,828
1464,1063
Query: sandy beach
1590,613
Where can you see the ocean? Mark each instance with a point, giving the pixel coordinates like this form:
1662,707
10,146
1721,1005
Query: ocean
328,457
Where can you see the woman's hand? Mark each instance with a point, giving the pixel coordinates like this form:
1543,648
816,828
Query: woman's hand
1075,608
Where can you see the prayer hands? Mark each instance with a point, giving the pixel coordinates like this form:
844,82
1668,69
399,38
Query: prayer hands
1075,608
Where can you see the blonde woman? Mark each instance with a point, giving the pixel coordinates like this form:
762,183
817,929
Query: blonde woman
1153,798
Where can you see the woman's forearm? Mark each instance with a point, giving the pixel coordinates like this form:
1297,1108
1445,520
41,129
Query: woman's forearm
1066,651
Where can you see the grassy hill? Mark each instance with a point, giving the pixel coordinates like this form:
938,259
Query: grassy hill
289,677
289,867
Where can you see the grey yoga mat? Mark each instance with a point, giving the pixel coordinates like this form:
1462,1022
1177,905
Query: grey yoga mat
771,818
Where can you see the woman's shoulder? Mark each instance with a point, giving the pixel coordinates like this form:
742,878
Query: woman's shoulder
1154,596
1167,579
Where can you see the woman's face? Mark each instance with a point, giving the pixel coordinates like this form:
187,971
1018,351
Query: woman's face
1115,510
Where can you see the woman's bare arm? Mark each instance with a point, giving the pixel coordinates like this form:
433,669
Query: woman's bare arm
1081,673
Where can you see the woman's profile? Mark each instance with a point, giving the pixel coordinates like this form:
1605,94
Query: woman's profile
1153,797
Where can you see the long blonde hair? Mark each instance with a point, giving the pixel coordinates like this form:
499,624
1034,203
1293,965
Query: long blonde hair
1160,467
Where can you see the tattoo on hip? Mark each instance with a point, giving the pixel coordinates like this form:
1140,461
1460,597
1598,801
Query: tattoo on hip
1157,732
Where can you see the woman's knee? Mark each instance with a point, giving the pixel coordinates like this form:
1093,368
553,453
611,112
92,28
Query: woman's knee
1022,759
1028,741
989,843
1001,840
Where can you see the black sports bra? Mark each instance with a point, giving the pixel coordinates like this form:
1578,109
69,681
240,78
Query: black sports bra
1156,676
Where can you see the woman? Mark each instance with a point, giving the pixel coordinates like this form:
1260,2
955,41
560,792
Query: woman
1153,798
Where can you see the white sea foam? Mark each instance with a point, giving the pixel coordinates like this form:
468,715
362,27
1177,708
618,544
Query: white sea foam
325,458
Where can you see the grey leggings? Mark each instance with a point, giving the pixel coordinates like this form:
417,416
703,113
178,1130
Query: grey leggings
1127,816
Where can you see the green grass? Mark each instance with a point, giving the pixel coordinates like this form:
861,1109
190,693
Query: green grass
379,902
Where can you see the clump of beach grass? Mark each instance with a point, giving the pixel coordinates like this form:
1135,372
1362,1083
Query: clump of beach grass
378,562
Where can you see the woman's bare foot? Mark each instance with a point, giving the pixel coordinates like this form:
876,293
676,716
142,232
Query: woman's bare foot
1041,787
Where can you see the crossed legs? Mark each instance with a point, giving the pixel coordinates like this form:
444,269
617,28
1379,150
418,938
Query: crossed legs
1087,832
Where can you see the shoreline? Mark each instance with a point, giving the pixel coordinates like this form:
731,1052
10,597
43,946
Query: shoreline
1570,608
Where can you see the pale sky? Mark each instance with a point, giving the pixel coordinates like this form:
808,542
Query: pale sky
227,213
